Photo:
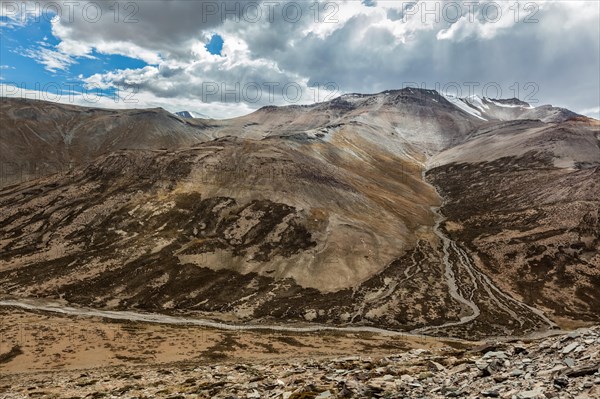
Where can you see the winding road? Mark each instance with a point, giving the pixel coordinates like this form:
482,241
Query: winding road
42,305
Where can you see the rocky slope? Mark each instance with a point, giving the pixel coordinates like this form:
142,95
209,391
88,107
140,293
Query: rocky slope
523,199
283,235
564,366
41,138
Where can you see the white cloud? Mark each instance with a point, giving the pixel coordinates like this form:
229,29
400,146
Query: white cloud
593,112
17,14
127,99
51,59
359,48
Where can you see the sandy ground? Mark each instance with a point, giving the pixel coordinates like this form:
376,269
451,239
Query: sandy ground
53,342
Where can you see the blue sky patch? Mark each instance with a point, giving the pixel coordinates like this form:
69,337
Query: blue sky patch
22,61
215,45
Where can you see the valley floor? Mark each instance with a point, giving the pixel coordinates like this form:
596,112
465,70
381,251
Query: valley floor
60,356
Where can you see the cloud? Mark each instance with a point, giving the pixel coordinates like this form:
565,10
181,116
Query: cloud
153,29
356,46
125,99
591,112
15,14
51,59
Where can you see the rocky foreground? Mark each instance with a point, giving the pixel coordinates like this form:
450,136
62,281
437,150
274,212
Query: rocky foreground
562,366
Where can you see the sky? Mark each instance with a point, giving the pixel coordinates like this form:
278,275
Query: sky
224,59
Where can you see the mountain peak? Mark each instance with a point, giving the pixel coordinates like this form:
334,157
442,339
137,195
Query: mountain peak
515,102
190,115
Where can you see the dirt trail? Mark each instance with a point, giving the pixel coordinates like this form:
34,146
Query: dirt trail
55,307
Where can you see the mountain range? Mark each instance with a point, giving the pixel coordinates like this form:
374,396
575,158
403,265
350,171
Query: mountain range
407,210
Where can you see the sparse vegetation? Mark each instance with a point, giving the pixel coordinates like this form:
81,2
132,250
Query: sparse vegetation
11,354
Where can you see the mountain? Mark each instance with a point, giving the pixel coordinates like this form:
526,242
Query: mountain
400,210
510,109
40,138
522,199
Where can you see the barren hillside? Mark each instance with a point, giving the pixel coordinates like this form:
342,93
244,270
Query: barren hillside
325,213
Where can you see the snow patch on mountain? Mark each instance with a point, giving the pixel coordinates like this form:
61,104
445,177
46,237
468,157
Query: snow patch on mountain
507,104
190,114
476,101
463,105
